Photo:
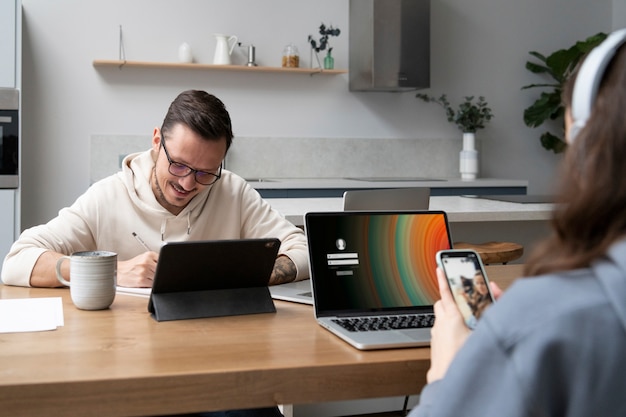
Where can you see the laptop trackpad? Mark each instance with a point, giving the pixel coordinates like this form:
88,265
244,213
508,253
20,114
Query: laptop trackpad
418,334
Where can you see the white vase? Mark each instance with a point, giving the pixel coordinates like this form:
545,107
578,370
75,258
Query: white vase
184,53
468,158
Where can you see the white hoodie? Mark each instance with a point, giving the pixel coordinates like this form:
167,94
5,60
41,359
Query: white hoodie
107,214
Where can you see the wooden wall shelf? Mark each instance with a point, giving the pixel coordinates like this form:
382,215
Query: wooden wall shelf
206,67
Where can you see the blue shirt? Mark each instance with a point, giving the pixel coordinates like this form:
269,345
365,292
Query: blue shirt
553,345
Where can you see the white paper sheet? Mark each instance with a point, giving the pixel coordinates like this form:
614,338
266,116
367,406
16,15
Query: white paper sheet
139,292
30,314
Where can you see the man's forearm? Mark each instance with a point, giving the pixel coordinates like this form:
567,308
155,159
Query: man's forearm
284,271
44,271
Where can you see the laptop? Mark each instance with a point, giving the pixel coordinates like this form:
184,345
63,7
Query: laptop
376,266
416,198
296,292
212,278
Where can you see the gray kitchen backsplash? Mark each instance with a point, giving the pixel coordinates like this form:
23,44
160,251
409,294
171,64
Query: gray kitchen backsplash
259,158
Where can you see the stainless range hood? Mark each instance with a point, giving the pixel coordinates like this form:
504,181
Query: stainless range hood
389,45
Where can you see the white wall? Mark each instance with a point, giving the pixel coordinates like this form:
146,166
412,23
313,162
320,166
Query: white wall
8,43
619,14
478,47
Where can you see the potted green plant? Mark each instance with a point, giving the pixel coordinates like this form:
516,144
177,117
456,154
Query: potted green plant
558,66
322,44
469,117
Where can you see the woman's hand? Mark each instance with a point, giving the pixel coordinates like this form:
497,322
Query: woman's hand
449,332
495,290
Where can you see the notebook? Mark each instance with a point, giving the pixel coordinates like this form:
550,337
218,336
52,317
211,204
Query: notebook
376,264
416,198
211,278
297,292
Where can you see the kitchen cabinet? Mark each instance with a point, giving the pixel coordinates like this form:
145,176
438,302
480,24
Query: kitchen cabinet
102,63
10,54
7,220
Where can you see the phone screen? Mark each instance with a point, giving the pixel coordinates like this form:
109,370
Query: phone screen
468,283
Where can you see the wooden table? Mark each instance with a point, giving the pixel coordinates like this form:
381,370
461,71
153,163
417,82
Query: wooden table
121,362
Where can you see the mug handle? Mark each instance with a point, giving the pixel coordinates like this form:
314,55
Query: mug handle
58,270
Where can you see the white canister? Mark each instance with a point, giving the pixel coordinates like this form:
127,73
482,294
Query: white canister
184,53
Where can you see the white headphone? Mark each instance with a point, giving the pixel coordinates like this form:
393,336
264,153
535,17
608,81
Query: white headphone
588,80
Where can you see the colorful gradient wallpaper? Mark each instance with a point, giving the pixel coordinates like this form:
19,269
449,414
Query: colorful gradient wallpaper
388,259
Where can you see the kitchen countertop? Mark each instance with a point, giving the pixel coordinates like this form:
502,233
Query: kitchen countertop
458,208
373,182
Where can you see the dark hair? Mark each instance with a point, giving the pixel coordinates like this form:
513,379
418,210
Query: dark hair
203,113
590,214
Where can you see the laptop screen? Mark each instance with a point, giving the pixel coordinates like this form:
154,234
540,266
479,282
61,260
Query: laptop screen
371,261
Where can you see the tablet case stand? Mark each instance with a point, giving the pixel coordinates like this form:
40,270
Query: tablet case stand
212,303
248,263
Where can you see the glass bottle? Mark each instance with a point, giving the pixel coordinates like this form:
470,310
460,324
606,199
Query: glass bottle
329,61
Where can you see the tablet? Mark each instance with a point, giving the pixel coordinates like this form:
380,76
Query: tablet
213,278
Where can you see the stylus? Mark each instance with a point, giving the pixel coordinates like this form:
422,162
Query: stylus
140,240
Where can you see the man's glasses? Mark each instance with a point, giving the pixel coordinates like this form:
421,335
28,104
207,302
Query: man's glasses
181,170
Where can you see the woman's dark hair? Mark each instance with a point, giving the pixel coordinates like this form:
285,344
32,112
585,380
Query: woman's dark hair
203,113
590,212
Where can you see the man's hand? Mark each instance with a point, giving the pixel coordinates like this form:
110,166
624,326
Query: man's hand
137,272
284,271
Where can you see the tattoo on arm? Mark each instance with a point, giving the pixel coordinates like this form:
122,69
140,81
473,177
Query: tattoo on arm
284,271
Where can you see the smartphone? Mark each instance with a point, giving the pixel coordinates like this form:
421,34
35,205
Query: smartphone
468,282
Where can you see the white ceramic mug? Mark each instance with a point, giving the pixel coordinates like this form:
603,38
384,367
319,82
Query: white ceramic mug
93,278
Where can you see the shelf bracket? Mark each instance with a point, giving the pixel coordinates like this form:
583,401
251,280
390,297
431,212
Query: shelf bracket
122,51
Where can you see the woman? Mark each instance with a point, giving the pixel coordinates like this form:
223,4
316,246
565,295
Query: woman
554,344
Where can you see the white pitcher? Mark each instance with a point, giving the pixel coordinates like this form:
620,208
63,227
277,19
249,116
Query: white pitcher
224,48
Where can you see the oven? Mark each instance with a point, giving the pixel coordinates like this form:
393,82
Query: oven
9,138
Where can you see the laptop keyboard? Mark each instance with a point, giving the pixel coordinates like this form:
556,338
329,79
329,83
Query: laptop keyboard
367,324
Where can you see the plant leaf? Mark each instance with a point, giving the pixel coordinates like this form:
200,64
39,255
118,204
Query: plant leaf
590,43
541,85
537,55
536,68
545,107
562,62
553,143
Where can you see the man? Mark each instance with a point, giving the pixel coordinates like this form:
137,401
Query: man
178,190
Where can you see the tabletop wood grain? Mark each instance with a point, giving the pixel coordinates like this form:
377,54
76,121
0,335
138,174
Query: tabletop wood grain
121,362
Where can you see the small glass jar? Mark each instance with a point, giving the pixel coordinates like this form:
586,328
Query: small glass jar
291,57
